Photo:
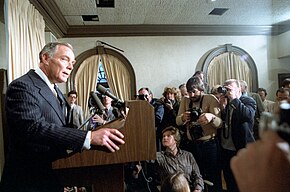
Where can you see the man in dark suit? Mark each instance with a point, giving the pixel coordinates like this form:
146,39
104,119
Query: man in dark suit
36,114
238,113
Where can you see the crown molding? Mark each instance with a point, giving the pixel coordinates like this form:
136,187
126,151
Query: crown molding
54,20
56,24
166,30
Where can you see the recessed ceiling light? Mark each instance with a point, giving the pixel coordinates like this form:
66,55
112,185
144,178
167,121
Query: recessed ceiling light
90,17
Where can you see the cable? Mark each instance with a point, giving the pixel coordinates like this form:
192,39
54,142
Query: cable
147,180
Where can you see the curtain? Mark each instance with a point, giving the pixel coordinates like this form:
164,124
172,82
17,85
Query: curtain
117,76
26,36
228,66
86,81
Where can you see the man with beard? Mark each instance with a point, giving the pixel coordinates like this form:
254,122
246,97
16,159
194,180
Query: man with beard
200,113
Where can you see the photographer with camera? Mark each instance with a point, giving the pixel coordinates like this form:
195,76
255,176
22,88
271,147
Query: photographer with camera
200,113
238,113
145,93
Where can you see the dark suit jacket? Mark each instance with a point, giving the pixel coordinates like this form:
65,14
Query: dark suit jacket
37,136
242,121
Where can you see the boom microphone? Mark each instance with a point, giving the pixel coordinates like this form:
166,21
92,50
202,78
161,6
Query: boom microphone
105,91
97,101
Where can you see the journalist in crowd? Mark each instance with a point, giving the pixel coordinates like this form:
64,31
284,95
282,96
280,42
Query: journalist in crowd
238,113
200,113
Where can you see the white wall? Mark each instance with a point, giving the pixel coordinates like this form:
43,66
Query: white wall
279,46
283,47
170,61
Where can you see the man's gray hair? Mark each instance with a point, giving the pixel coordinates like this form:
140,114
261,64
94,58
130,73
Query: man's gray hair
50,48
230,81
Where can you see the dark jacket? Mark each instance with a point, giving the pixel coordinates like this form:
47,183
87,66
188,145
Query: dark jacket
242,121
38,136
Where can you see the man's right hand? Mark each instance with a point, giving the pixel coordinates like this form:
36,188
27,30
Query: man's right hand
107,137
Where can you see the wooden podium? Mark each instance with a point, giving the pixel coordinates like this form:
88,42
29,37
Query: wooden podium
103,170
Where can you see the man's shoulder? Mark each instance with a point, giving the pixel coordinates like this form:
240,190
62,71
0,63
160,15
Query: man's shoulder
26,80
78,108
245,98
209,98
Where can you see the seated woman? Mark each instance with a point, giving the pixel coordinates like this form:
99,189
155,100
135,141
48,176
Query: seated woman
173,160
170,161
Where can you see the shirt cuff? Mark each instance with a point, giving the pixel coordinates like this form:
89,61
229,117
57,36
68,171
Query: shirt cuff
87,143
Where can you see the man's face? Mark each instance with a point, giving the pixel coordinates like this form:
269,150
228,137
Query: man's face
282,96
59,67
72,99
262,95
146,94
107,100
194,95
233,91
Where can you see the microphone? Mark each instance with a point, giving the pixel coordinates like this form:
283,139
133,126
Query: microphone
105,91
97,101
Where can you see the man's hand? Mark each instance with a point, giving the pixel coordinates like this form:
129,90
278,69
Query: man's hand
262,166
110,138
97,119
185,117
205,118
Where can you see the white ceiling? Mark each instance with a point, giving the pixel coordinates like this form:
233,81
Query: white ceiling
193,12
165,17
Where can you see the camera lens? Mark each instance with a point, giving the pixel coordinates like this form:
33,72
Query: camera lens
222,90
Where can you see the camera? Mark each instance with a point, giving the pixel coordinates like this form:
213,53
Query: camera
222,90
194,114
142,97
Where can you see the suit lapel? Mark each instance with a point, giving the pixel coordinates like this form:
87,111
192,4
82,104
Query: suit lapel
47,94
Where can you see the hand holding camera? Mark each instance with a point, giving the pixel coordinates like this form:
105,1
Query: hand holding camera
205,118
195,114
229,91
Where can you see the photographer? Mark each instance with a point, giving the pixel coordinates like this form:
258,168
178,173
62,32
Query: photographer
145,93
238,114
200,113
